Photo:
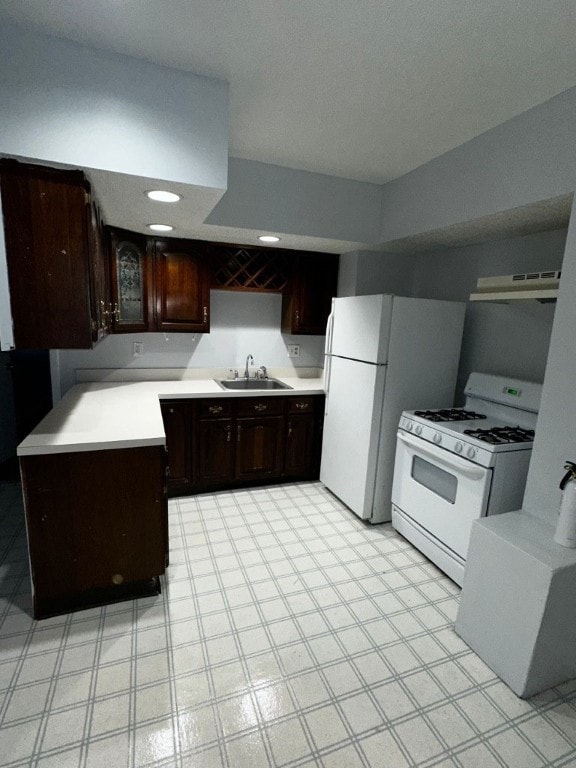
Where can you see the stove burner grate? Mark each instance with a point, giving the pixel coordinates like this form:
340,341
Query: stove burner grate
449,414
501,435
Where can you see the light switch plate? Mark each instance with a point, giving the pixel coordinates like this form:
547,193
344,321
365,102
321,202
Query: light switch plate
138,348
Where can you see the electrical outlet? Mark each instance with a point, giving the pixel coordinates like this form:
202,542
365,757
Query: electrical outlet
138,348
293,350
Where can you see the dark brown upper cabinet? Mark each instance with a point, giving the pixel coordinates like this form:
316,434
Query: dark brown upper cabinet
182,286
158,285
307,302
131,280
57,272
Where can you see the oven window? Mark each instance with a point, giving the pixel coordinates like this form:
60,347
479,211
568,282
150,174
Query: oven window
435,479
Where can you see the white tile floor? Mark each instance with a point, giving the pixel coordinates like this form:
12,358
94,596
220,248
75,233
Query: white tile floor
288,634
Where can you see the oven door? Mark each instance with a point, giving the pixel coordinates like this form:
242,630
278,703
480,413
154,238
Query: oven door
441,492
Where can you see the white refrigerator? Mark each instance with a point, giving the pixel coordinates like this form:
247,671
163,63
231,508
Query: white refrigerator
384,354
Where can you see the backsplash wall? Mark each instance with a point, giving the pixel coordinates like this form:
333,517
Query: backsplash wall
241,324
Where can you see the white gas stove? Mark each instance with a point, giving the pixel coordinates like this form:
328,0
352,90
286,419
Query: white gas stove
455,465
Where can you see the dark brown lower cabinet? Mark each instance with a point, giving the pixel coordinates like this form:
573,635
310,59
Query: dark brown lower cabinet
215,452
234,442
177,416
299,445
304,437
97,526
259,448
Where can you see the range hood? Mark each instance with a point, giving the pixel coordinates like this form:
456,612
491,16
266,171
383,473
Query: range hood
538,286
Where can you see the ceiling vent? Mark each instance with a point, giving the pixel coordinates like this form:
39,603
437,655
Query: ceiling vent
538,286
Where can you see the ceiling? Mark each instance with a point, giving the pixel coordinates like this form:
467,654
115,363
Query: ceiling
361,89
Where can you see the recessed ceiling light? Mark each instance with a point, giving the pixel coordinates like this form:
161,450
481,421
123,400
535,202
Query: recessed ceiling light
269,238
160,227
163,196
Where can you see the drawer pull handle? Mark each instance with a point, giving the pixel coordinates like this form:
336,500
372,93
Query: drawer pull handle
215,409
204,315
228,433
302,406
260,407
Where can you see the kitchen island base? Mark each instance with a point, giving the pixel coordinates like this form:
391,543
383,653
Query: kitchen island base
97,526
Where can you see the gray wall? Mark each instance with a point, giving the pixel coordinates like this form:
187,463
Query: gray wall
67,103
275,199
366,272
522,161
505,339
556,434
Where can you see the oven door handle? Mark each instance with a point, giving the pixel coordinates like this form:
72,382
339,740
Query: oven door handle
449,460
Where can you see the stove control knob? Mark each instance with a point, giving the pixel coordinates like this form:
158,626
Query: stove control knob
458,447
408,426
471,452
418,429
437,438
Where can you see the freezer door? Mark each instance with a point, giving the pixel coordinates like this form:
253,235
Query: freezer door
361,327
352,432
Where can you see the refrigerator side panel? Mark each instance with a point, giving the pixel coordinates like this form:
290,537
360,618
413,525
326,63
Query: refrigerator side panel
425,341
351,433
361,327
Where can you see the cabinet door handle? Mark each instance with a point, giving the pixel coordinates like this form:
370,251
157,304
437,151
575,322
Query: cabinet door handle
238,433
170,410
215,409
204,314
289,428
229,433
116,313
260,407
297,317
302,406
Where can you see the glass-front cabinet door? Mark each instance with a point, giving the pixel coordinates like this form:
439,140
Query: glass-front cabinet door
130,281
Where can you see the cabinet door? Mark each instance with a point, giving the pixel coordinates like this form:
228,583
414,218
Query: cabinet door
47,250
215,452
259,447
307,303
300,444
99,275
176,415
182,286
131,281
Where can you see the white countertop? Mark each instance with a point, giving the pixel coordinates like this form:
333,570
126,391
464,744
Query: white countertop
103,415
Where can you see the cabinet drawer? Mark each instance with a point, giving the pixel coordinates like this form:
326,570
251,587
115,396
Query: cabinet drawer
214,409
260,406
305,404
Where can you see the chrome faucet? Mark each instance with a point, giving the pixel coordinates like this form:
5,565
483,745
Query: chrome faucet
249,359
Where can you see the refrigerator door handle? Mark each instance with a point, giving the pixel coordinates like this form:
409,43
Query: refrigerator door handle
328,355
327,372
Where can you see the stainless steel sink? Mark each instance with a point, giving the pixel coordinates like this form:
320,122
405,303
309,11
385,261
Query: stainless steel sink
249,384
